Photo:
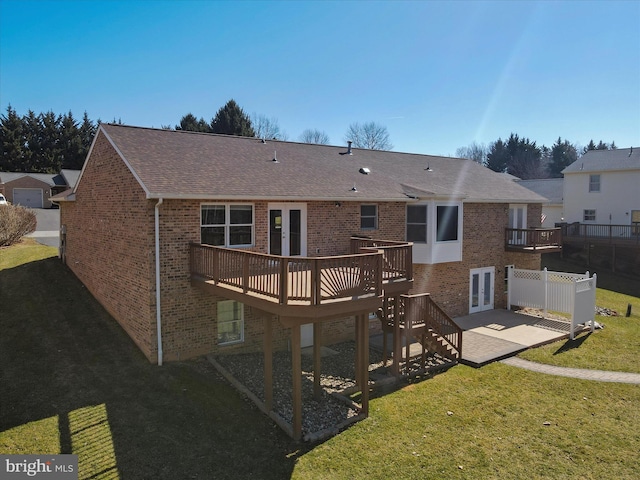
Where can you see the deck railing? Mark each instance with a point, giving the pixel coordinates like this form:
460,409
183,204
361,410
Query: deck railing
533,238
421,309
289,280
603,232
397,257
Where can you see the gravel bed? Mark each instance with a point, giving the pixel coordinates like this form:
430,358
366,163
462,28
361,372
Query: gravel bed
337,375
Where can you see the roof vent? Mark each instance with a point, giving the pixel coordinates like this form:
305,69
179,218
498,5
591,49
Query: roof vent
354,189
275,157
263,140
429,169
365,170
630,151
348,152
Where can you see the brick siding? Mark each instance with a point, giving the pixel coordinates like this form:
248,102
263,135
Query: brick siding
110,247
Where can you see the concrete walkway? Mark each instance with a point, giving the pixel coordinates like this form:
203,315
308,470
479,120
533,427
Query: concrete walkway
584,374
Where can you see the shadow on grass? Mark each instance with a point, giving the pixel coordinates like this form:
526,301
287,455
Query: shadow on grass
63,356
572,344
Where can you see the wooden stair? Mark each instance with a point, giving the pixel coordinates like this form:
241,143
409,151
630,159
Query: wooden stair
419,318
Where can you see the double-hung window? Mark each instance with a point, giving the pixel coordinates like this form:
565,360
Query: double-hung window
230,322
226,225
368,217
417,223
594,183
589,216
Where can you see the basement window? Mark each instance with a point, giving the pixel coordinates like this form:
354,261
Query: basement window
230,322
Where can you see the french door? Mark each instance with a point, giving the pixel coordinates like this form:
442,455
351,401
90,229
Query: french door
481,287
288,238
518,219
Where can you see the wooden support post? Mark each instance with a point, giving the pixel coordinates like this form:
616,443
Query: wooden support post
613,257
397,345
364,362
296,371
357,359
317,355
268,362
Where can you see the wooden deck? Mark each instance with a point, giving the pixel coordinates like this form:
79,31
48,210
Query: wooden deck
533,240
305,288
597,234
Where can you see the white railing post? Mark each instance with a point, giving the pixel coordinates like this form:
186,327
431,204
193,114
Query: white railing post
545,279
573,308
509,286
593,286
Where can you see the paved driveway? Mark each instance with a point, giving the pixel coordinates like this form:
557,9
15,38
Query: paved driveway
48,227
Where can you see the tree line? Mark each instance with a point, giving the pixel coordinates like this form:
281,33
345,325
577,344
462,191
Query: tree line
524,159
231,119
45,142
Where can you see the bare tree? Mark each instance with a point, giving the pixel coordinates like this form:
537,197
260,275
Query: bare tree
474,151
313,135
267,128
369,135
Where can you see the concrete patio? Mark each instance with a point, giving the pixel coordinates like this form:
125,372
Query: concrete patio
496,334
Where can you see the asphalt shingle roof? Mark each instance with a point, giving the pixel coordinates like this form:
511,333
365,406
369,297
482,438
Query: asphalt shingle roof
550,188
604,160
179,164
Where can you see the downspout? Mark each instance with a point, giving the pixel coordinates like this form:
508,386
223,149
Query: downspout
158,308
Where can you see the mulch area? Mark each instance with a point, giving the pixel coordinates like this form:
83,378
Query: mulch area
337,377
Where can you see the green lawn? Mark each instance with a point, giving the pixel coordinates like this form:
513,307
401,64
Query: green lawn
73,382
616,347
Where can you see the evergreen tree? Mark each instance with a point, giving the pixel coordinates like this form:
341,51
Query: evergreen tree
12,141
190,123
498,156
70,146
563,154
231,120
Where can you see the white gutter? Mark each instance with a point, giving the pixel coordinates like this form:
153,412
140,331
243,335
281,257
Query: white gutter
158,308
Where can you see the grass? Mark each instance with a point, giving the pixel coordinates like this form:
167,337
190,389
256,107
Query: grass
73,382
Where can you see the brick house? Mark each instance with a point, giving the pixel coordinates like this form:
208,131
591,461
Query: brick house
145,196
200,243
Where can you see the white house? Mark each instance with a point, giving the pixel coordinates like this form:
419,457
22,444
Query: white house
603,187
551,189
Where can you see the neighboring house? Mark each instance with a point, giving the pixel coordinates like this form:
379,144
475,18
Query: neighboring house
551,189
602,188
34,190
147,199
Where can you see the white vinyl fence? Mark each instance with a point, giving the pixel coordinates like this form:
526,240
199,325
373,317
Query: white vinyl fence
574,294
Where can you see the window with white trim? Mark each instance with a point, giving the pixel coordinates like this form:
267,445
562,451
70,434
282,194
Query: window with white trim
447,223
368,217
594,183
230,322
589,216
226,225
417,223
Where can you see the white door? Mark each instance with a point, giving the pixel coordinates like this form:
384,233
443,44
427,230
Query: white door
518,219
481,286
288,238
288,229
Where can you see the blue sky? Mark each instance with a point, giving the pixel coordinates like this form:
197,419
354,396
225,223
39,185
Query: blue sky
438,75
